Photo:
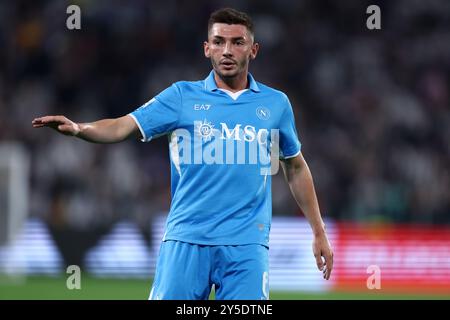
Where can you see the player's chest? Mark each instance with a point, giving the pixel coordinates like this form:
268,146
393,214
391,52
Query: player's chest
227,114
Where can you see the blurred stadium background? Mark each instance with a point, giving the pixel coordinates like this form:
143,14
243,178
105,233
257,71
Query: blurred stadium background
373,113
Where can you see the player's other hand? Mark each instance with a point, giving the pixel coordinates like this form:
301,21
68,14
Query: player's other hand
59,123
323,254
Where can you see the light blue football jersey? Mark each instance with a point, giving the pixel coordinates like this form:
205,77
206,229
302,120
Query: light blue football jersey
220,148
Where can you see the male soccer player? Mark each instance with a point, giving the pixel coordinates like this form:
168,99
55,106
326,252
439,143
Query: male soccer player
220,131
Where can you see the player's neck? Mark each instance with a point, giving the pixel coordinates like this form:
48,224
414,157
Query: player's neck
234,84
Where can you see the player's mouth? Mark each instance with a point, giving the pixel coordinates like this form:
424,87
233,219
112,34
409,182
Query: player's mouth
228,64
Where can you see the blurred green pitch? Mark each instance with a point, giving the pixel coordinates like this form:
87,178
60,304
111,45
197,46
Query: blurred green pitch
43,288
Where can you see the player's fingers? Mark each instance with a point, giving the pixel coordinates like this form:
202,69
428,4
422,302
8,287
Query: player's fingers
327,274
319,261
330,261
329,265
39,120
50,119
36,121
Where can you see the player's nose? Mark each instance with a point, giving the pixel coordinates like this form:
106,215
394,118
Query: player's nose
227,50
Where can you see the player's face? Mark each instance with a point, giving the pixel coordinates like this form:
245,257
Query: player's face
230,48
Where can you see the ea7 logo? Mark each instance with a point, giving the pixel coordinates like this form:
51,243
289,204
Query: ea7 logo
198,107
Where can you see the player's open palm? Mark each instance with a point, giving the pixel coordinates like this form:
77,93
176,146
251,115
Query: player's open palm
59,123
322,249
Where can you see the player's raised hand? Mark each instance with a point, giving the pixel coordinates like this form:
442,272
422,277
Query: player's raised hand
322,248
59,123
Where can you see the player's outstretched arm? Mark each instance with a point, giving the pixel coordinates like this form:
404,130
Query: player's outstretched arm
102,131
300,181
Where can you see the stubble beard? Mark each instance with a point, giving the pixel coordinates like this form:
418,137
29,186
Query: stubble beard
240,67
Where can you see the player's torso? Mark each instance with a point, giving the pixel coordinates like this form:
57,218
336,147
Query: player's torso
220,156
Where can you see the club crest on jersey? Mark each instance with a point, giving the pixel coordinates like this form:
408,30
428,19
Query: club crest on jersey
263,113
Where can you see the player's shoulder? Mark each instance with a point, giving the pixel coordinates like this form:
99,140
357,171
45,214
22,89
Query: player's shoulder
272,92
185,85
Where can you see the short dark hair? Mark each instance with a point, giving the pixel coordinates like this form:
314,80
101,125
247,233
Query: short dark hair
231,16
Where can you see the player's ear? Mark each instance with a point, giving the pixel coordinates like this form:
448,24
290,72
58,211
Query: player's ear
254,51
206,49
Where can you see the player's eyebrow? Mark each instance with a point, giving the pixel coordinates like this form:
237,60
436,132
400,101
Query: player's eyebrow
233,38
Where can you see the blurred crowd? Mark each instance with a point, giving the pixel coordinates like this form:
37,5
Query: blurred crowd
372,106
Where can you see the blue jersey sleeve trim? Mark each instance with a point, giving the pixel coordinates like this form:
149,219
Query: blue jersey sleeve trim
144,138
291,156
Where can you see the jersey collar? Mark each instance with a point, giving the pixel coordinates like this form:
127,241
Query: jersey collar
210,83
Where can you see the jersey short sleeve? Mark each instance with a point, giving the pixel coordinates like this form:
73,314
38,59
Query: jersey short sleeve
160,115
290,145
